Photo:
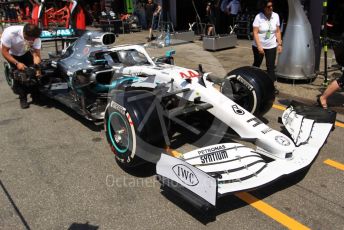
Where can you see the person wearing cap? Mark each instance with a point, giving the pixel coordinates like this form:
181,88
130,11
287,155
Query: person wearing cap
21,47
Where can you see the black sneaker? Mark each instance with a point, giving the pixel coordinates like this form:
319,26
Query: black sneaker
23,103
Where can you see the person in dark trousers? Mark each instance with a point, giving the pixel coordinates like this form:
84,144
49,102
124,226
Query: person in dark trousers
211,18
223,18
165,11
139,11
152,13
21,47
233,8
219,16
267,38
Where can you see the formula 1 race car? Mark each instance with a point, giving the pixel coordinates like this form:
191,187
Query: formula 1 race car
146,103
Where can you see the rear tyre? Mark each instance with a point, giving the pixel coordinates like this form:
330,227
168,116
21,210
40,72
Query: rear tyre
251,88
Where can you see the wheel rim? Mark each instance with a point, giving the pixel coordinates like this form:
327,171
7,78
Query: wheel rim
119,132
243,96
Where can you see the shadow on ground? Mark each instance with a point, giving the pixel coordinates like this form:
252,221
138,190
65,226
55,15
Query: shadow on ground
49,103
231,202
86,226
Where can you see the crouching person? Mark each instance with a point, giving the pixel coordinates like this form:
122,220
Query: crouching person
21,47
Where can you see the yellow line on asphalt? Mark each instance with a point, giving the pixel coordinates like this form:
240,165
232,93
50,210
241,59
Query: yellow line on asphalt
334,164
339,124
280,107
270,211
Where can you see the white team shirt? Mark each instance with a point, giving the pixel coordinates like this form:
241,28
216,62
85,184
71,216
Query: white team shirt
13,38
265,25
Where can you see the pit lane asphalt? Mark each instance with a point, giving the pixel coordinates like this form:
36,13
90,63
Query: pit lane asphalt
57,172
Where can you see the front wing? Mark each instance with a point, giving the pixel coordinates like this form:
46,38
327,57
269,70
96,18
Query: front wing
222,169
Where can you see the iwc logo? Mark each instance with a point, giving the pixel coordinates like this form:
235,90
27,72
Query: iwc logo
185,174
282,140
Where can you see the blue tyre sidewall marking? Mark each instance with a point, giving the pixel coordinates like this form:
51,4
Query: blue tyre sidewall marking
110,133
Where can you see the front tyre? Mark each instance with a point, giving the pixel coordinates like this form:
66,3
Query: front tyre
120,134
251,88
136,128
8,75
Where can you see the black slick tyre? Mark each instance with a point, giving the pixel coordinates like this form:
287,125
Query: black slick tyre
251,88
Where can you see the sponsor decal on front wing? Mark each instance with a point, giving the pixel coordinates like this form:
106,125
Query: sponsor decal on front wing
185,175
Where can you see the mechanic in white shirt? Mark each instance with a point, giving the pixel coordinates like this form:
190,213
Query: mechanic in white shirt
267,38
21,47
